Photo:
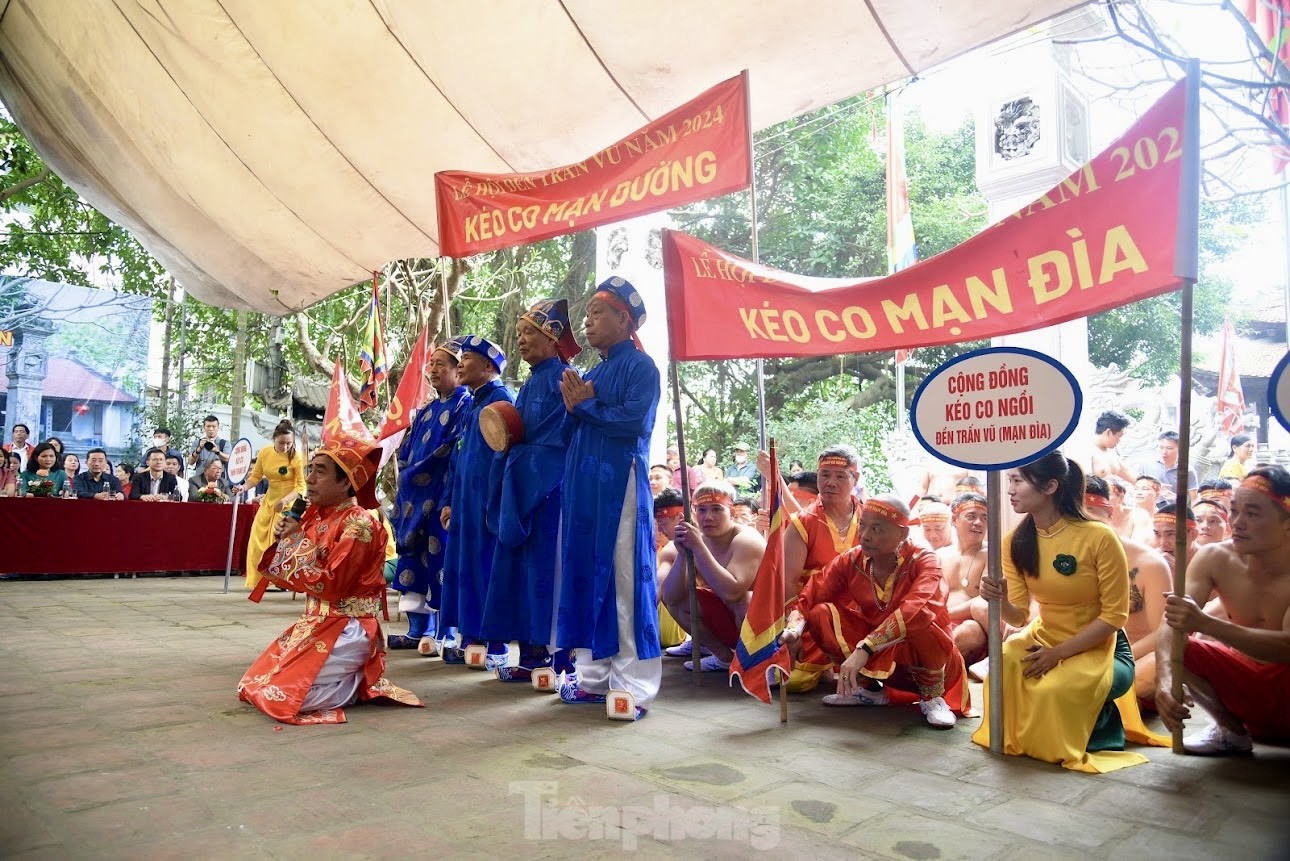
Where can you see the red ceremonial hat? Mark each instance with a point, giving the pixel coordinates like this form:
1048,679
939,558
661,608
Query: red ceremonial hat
359,459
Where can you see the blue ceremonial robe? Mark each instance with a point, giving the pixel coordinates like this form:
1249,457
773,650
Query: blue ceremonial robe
606,436
424,457
468,559
525,514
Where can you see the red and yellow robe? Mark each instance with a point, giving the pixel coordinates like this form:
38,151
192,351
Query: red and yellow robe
336,560
905,624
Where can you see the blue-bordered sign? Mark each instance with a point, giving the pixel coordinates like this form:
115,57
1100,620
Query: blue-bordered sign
996,408
239,461
1279,392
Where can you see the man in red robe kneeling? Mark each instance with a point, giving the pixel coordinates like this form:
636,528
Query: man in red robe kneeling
879,609
334,655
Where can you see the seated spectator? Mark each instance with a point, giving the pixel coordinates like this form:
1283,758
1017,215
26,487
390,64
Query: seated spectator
58,450
964,565
1147,493
71,464
795,466
745,511
155,484
97,482
968,484
660,478
668,509
1127,519
124,474
1165,470
1165,526
934,522
694,473
210,446
175,466
20,445
1217,490
1239,453
1238,669
803,487
726,556
41,478
210,485
10,466
1211,522
708,466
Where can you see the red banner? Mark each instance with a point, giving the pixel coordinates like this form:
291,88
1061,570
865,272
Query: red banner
1105,236
697,151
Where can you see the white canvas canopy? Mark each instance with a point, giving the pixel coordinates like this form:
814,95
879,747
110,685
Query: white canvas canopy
271,153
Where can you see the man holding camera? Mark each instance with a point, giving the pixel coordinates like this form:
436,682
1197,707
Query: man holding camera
209,447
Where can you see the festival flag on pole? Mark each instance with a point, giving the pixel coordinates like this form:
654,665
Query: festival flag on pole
902,251
341,414
1230,404
372,358
412,393
1271,20
759,650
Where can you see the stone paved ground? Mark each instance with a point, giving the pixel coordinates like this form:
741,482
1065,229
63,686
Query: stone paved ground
122,737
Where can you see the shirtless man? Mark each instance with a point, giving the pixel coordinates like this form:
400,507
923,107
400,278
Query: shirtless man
1149,581
1147,493
1104,458
964,566
934,521
1211,522
933,478
1216,490
726,557
1242,675
1165,532
1127,519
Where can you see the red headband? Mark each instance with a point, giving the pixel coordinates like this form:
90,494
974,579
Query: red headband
969,505
668,511
1096,500
840,461
886,511
1260,484
708,497
1214,493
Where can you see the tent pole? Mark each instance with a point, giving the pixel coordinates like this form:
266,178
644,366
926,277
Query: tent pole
1181,499
688,570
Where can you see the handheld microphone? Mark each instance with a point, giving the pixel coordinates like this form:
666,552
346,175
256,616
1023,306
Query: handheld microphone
297,509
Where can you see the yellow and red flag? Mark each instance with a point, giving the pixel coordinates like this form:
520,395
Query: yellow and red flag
372,358
759,650
1271,20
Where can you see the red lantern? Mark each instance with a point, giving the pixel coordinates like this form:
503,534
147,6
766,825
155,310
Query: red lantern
81,409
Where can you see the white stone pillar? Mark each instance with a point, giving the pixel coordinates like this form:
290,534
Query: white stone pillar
633,250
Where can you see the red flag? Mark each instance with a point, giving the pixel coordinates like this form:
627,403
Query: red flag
372,358
759,651
341,414
1230,405
412,393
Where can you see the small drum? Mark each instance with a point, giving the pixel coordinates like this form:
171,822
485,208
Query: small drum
500,424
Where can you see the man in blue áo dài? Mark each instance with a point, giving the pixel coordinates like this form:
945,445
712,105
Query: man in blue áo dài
424,457
607,597
525,515
468,560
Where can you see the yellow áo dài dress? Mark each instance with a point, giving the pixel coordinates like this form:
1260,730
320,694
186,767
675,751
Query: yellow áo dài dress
1065,716
286,476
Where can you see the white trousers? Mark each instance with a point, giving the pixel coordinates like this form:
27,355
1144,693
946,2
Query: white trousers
411,602
624,671
342,673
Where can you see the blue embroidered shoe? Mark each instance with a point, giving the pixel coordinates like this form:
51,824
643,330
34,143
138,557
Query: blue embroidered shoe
514,674
401,641
571,693
497,661
452,654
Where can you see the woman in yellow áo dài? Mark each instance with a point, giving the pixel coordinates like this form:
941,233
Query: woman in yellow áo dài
1068,676
283,466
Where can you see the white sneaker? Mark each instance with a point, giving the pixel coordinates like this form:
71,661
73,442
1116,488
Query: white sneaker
685,650
1217,741
937,712
710,664
861,697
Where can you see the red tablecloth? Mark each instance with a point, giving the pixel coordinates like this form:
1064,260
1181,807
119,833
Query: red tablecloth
95,536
